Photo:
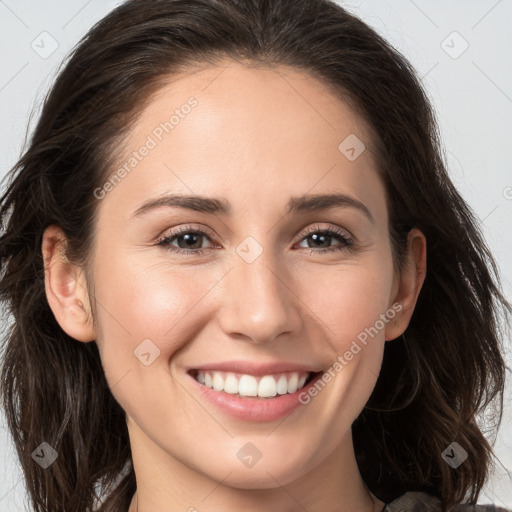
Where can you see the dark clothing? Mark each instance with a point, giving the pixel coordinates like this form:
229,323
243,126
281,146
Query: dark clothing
423,502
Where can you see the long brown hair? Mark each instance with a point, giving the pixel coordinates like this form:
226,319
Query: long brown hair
436,378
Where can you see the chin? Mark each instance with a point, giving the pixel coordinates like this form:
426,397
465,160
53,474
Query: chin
263,475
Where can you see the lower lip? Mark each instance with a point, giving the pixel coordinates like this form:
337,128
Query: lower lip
253,408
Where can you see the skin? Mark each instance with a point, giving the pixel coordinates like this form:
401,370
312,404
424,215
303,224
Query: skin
256,138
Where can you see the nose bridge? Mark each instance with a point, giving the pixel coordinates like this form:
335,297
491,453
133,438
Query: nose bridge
260,303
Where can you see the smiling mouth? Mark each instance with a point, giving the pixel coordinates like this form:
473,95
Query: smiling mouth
251,386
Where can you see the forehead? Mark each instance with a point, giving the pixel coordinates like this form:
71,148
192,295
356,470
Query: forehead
258,133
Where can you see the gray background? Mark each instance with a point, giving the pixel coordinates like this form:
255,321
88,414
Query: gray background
471,89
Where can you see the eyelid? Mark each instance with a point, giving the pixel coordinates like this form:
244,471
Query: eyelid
187,228
349,243
211,234
336,229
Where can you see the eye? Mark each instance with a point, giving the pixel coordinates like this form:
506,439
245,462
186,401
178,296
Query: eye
189,240
324,237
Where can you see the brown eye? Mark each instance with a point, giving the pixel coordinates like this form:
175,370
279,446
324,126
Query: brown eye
322,238
188,241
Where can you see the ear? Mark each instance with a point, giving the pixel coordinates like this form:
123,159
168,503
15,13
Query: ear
66,287
407,286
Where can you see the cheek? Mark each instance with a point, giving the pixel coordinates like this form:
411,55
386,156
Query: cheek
146,315
350,300
137,303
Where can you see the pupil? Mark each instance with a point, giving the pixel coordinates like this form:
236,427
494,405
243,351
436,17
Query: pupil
190,238
317,236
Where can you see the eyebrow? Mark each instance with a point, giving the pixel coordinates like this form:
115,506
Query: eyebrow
212,205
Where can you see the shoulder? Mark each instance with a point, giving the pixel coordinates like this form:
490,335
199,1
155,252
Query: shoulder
467,507
423,502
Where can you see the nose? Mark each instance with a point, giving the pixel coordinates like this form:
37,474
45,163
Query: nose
259,302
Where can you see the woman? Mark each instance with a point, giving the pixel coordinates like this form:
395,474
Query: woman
179,341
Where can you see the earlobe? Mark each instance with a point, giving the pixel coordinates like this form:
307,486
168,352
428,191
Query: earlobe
410,283
66,287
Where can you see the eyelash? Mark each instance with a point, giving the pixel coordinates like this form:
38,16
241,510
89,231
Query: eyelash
166,240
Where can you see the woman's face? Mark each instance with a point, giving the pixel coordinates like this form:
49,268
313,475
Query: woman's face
257,289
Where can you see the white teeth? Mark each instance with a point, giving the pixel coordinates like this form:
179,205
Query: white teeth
231,384
247,385
218,382
282,385
266,386
293,382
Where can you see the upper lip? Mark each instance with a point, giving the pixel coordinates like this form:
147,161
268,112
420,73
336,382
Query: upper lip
256,369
